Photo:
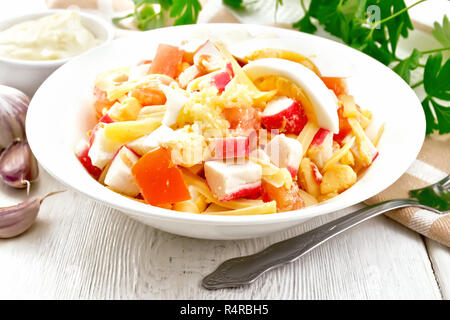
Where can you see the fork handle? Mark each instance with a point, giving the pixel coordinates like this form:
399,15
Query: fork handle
244,270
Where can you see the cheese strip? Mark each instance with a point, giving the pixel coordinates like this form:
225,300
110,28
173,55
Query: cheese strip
265,208
153,80
155,115
365,145
214,208
126,131
350,110
276,176
379,134
338,155
307,135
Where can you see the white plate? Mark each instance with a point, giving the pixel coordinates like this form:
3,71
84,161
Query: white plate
61,113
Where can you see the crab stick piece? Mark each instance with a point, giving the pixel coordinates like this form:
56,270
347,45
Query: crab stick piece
229,181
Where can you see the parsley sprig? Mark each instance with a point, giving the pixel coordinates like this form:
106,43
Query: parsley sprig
351,21
151,14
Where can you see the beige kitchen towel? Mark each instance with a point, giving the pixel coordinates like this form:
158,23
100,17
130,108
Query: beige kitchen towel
432,164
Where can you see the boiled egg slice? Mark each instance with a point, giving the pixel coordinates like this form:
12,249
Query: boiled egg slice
322,100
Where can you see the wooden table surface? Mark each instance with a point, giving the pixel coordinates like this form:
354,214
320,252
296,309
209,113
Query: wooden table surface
80,249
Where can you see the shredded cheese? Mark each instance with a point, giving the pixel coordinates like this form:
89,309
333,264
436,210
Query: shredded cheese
274,175
126,131
378,136
265,208
153,80
350,110
364,143
307,135
338,155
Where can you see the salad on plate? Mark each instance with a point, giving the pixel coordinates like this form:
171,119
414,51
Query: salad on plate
206,132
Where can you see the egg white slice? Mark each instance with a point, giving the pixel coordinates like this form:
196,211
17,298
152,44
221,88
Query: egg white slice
321,98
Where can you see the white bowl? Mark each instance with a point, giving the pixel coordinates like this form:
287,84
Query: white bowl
60,114
27,75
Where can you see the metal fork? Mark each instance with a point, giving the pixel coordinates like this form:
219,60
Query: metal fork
240,271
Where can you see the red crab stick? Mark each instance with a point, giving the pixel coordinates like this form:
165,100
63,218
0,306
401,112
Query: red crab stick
284,114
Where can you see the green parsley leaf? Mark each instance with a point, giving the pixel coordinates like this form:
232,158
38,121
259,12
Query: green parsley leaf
436,82
429,117
404,67
236,4
440,122
151,14
442,32
436,77
442,116
305,24
187,11
396,26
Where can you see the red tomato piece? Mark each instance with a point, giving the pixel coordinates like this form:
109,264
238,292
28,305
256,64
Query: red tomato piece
338,85
149,96
286,199
167,60
344,127
242,118
159,180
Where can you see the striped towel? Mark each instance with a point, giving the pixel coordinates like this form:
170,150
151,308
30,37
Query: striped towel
432,165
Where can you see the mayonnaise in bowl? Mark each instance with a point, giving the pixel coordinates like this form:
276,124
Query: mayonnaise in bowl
53,37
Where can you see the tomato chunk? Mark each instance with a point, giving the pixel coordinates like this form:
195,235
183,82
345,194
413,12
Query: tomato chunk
167,60
101,102
344,127
338,85
149,96
242,118
159,180
286,199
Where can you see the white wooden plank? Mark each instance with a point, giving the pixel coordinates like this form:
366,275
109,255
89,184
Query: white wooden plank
81,249
440,259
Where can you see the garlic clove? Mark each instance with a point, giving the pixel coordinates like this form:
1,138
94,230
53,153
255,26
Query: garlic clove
18,166
17,219
13,109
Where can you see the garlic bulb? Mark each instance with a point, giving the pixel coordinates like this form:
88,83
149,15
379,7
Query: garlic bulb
13,109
